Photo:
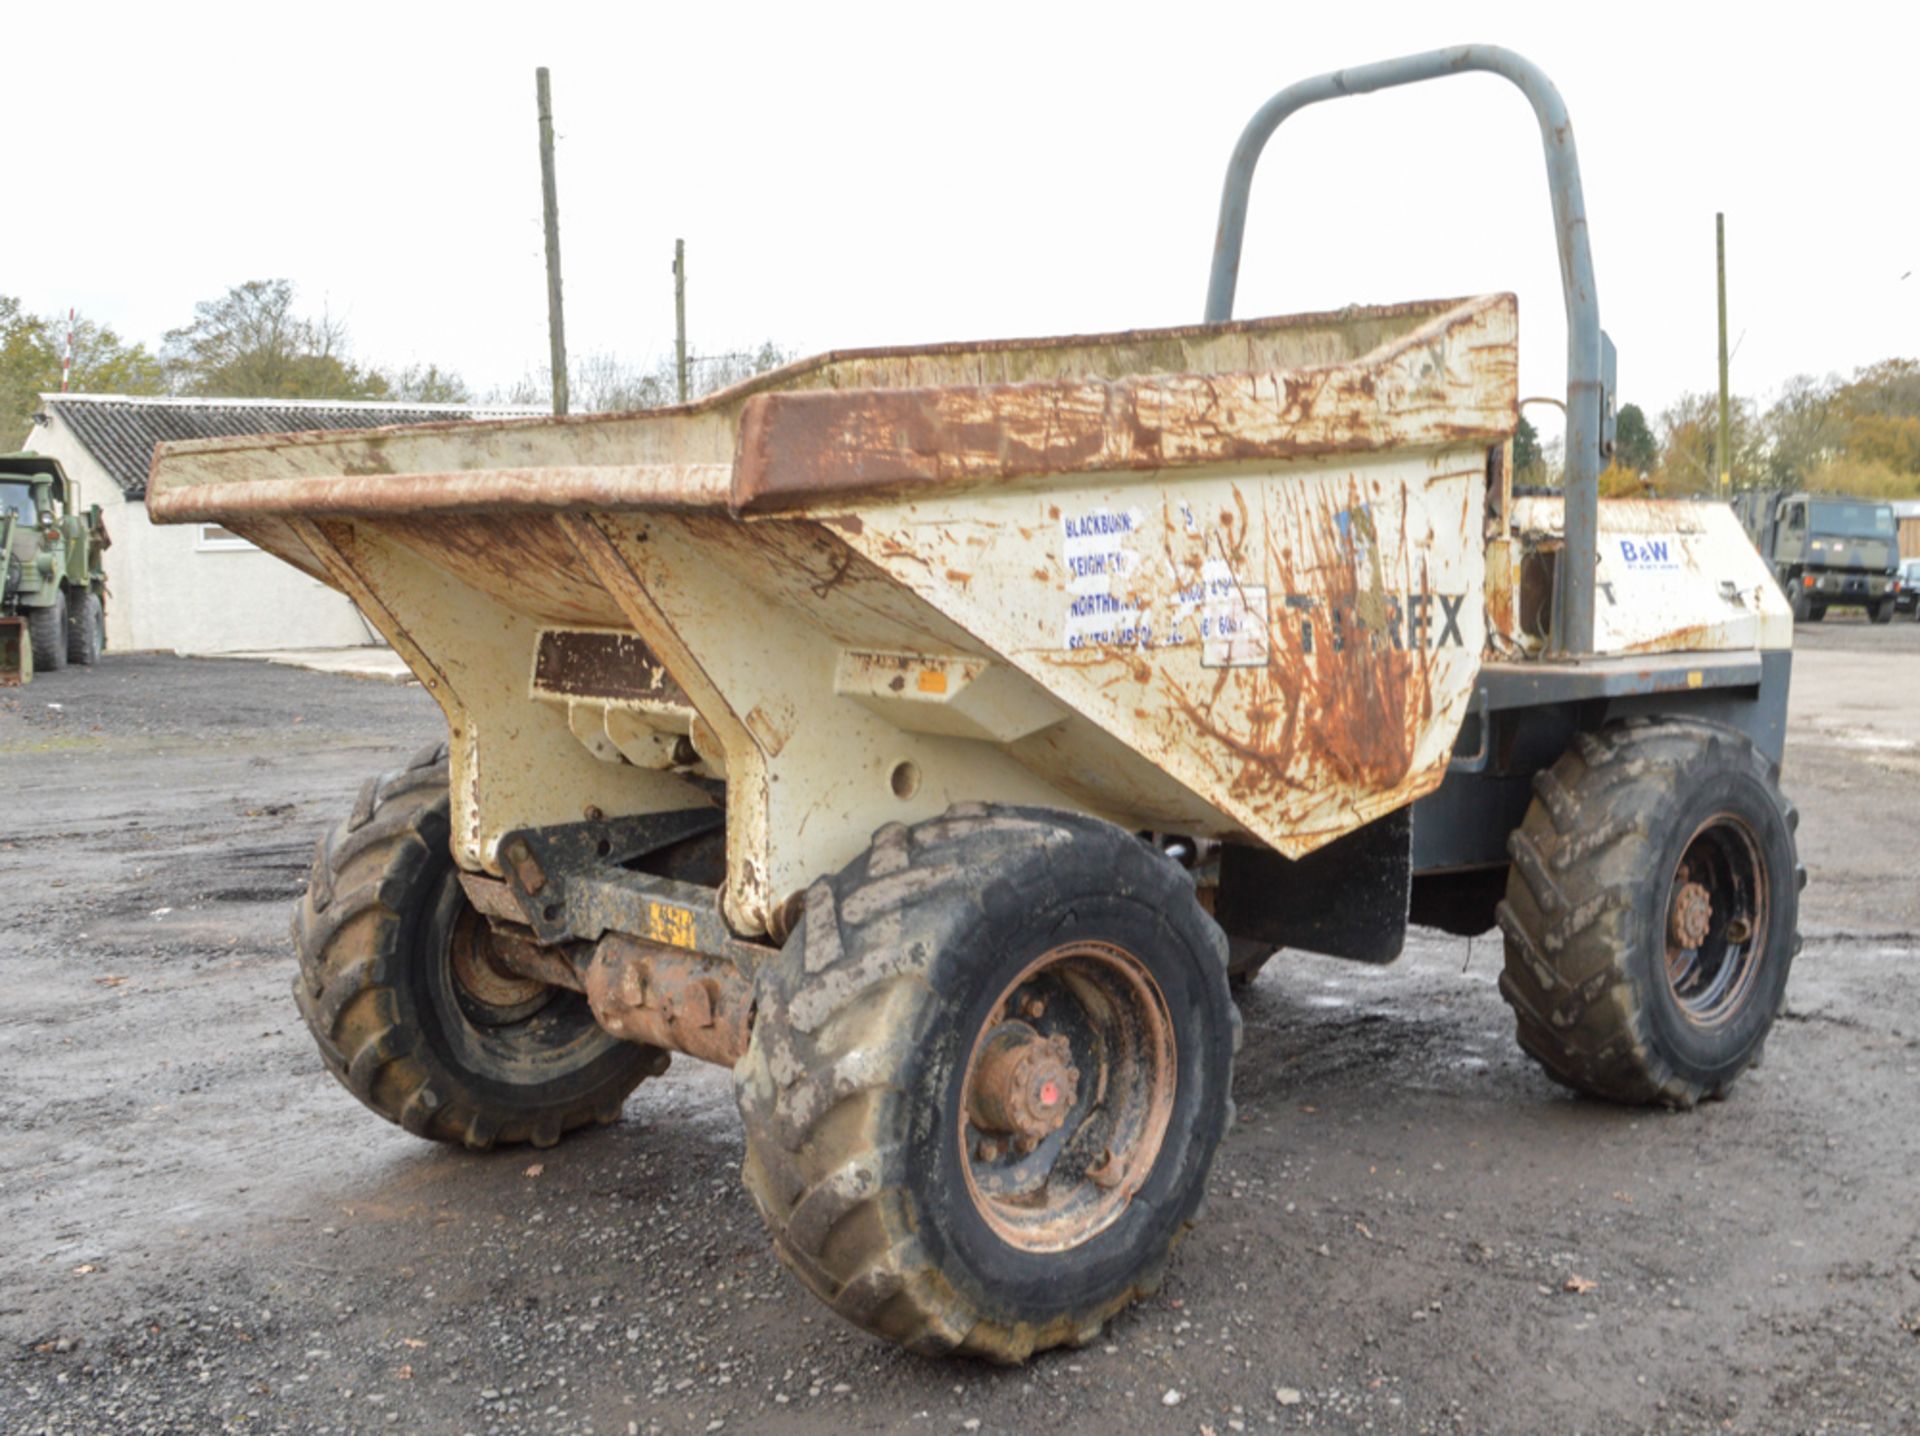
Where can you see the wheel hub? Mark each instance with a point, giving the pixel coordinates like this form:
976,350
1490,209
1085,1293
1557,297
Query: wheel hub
1717,919
1692,915
491,993
1067,1096
1024,1084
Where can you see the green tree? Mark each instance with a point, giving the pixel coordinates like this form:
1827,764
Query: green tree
1805,427
427,384
1689,435
1528,464
1880,408
251,344
1634,447
31,347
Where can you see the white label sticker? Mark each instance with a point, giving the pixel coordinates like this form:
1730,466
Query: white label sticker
1233,626
1096,620
1097,549
1648,553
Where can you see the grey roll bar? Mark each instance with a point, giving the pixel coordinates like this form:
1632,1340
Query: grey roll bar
1573,600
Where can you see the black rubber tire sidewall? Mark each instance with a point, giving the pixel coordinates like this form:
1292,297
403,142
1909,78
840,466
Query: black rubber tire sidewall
84,638
47,630
558,1057
1713,1056
1007,1282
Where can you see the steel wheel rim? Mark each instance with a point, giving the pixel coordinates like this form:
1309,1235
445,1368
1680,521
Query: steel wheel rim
488,995
1716,920
1067,1096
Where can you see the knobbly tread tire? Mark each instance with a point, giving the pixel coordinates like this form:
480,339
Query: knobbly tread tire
47,633
355,932
83,630
821,1090
1575,972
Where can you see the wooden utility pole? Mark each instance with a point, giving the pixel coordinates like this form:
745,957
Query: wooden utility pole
550,200
1725,454
680,315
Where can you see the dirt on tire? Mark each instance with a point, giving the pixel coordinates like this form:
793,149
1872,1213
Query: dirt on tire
1583,919
862,1021
391,1029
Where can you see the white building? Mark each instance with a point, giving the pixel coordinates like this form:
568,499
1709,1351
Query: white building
196,588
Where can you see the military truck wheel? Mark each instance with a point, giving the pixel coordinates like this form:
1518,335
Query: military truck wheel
987,1076
86,629
47,632
1881,612
411,1017
1651,912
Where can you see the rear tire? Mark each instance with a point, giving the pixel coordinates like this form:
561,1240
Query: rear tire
885,1189
86,630
47,631
1881,612
377,932
1643,839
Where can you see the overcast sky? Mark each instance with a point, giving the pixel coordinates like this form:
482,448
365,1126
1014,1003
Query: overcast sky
898,173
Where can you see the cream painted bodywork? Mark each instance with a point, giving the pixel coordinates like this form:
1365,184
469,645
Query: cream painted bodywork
1673,575
1221,581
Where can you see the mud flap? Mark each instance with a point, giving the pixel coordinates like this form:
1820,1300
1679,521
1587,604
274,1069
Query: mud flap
1348,899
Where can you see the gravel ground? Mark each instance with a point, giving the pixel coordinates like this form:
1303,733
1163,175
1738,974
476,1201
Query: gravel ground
1411,1229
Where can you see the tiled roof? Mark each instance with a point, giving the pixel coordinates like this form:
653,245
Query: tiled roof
120,432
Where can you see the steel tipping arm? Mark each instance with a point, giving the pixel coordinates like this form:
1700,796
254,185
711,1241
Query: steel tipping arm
1573,602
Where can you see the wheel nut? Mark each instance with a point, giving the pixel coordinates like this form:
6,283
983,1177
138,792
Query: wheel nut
1023,1085
1692,916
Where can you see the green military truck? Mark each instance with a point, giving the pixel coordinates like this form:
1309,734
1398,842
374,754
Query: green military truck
1826,550
54,593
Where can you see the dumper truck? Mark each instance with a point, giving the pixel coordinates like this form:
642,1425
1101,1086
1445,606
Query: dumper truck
53,594
1826,550
924,734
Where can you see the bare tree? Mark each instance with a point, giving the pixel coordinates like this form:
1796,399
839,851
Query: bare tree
605,383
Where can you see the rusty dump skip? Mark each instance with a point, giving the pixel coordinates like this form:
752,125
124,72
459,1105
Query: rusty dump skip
1224,580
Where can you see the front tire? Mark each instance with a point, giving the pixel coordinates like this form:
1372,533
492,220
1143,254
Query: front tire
1652,912
987,1077
408,1014
47,632
86,629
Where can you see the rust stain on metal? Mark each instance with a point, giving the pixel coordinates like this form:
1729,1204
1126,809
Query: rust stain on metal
667,997
1028,1100
528,566
587,664
513,950
797,447
525,866
371,495
492,897
772,727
